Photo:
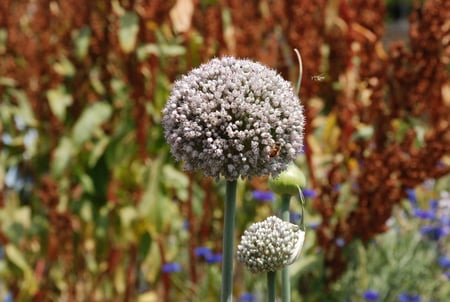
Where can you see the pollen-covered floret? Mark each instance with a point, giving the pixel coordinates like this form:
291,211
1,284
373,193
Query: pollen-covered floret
270,245
234,118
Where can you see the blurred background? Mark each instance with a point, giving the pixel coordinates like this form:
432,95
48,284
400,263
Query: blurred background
94,208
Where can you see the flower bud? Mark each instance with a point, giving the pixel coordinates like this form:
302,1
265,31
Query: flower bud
289,181
270,245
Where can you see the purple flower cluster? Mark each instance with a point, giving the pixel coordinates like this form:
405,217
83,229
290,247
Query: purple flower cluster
405,297
437,218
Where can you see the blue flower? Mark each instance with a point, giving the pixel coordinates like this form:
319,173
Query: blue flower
248,297
214,258
423,214
202,251
411,194
340,242
8,297
294,217
371,295
434,204
432,232
171,267
314,225
444,262
309,193
263,195
408,298
445,220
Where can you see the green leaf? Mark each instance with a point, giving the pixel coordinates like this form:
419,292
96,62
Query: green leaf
173,178
62,156
29,282
24,110
16,257
151,187
127,216
98,150
364,132
96,81
64,67
9,82
91,119
3,40
129,27
160,50
82,39
59,100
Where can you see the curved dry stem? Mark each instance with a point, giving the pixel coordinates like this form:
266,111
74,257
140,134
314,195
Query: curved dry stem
300,71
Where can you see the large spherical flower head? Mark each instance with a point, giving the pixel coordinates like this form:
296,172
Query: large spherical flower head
235,118
270,245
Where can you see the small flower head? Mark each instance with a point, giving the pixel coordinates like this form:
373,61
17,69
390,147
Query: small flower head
444,262
270,245
405,297
203,251
234,118
371,295
263,195
171,267
248,297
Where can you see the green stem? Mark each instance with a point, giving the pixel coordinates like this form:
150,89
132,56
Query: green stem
271,285
285,281
228,245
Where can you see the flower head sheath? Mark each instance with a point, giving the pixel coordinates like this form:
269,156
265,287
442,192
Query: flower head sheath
234,118
270,245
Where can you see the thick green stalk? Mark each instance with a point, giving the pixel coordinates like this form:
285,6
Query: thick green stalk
228,242
285,281
271,286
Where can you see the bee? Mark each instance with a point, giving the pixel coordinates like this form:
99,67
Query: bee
320,77
275,150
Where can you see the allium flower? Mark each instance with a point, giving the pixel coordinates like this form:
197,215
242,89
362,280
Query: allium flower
234,117
270,245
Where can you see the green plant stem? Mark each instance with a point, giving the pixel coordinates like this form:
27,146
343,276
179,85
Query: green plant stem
285,281
228,239
271,286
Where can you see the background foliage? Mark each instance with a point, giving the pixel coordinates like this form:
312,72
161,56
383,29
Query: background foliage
93,208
